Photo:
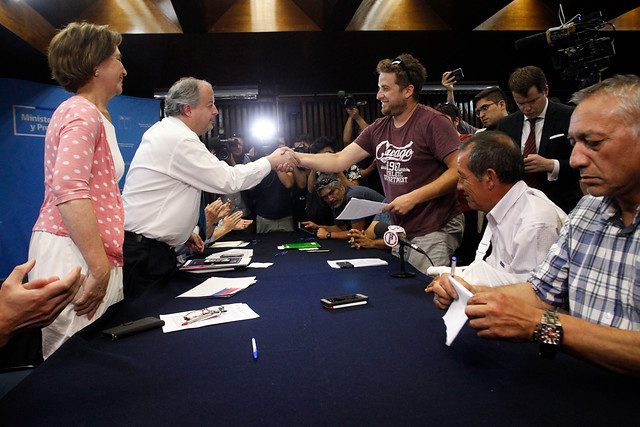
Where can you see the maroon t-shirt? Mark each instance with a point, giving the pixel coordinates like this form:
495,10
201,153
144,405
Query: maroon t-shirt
411,157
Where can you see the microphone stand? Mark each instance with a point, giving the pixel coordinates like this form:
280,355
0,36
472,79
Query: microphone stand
402,274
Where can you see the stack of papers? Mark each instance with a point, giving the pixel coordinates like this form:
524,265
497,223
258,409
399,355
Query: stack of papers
220,287
234,312
222,261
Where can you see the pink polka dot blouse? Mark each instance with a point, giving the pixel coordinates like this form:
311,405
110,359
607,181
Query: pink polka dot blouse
78,165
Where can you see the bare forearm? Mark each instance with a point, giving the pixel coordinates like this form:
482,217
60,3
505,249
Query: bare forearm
79,218
522,291
611,348
445,183
300,176
325,162
286,178
361,122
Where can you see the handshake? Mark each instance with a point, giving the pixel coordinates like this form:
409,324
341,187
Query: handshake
283,159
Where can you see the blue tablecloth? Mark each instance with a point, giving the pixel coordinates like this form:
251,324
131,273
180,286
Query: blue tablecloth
384,363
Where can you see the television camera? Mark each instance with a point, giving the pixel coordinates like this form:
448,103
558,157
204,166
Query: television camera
581,50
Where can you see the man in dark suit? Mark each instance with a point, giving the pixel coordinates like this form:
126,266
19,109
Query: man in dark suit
546,150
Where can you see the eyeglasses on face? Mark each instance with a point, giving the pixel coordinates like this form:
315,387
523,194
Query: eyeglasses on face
484,108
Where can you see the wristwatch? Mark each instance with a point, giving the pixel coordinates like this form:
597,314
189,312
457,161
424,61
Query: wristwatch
328,234
548,334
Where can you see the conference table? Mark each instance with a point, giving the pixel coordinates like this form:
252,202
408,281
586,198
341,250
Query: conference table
383,363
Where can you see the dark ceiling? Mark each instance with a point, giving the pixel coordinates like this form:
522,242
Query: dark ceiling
288,47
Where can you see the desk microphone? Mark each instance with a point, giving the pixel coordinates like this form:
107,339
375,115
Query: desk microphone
394,235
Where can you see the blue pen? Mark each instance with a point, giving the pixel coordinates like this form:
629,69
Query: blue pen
454,261
255,348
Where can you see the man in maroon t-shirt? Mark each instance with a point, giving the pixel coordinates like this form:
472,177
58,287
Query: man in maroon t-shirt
416,152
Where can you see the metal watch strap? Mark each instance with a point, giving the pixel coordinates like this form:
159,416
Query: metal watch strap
548,334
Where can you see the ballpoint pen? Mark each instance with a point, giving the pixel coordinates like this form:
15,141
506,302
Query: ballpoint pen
255,348
454,260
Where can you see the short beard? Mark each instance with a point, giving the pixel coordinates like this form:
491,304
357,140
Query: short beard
395,110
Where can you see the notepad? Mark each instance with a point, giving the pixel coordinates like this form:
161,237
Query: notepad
304,245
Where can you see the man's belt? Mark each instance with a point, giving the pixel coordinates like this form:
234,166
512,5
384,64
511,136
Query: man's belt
139,238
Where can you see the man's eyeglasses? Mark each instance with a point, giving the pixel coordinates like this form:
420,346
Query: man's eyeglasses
399,62
484,108
203,314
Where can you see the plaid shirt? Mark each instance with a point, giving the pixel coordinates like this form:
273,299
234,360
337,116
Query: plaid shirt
594,267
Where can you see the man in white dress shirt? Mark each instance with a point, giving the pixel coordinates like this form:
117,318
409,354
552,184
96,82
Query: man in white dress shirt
522,223
162,191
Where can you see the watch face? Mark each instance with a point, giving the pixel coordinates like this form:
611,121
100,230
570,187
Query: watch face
550,334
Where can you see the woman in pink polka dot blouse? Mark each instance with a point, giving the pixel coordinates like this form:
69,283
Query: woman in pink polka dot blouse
81,218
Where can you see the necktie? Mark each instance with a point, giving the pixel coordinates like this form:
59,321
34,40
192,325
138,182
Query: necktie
530,148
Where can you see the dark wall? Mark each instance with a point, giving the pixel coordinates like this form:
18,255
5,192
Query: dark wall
312,62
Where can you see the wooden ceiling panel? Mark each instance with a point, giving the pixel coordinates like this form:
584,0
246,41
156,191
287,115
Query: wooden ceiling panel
527,15
396,15
630,21
259,16
21,19
131,17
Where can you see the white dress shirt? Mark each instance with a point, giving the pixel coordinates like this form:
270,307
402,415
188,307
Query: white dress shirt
161,193
522,226
539,125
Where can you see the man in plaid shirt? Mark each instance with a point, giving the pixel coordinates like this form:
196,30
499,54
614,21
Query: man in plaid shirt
591,274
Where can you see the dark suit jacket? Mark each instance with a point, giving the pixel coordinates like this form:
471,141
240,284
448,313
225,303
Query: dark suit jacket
554,144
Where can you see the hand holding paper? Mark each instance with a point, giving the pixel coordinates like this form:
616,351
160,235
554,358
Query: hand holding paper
455,318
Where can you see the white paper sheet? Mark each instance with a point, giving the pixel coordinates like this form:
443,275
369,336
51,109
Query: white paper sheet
220,285
235,312
359,208
455,317
260,265
359,262
229,244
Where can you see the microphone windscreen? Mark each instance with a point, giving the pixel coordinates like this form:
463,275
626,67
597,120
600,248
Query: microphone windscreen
534,41
379,229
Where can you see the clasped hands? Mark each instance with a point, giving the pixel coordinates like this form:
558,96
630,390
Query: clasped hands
358,239
491,313
284,159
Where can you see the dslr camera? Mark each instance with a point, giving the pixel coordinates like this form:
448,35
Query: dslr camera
221,147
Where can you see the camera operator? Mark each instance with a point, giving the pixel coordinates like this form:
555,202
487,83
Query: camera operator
367,166
232,152
300,195
272,197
